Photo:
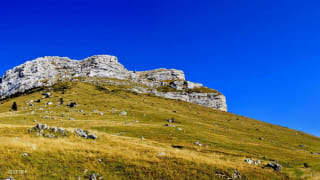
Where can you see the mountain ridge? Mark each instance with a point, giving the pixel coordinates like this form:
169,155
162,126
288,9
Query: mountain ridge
47,70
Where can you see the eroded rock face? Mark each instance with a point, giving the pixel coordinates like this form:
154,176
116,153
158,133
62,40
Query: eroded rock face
160,75
45,71
212,100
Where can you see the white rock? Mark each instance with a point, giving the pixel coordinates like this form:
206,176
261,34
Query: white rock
45,71
123,113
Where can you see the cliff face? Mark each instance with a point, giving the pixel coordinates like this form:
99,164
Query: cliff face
45,71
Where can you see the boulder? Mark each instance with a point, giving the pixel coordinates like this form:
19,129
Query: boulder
123,113
92,136
46,94
249,161
61,130
161,154
274,166
92,177
54,129
236,174
170,125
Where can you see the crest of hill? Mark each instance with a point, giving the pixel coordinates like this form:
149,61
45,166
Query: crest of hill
48,70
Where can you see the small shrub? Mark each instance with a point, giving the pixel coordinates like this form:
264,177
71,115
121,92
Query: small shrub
61,101
14,106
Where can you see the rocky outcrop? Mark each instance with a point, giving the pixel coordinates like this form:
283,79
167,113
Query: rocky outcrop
212,100
160,75
45,71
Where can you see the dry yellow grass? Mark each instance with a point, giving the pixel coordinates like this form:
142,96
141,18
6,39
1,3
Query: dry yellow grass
229,139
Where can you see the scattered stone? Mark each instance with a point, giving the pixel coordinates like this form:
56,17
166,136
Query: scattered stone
257,162
142,138
49,136
221,175
38,126
44,126
179,129
171,120
170,125
46,94
252,161
71,119
82,133
198,143
92,177
49,103
61,130
301,145
123,113
249,161
274,166
9,178
162,154
25,154
236,174
54,129
261,138
101,113
85,134
92,136
99,160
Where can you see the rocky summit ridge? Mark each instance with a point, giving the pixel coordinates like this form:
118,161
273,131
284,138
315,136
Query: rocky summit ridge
168,83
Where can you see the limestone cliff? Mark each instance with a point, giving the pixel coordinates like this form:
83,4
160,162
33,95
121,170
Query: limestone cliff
168,83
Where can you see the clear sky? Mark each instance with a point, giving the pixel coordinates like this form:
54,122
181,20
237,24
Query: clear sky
263,55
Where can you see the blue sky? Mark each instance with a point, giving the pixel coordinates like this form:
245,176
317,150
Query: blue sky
263,55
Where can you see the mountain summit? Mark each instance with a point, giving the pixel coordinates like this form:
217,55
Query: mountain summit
48,70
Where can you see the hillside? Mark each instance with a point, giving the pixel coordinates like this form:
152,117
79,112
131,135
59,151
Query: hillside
135,140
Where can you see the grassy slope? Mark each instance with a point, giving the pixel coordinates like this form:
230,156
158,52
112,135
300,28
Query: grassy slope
227,139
